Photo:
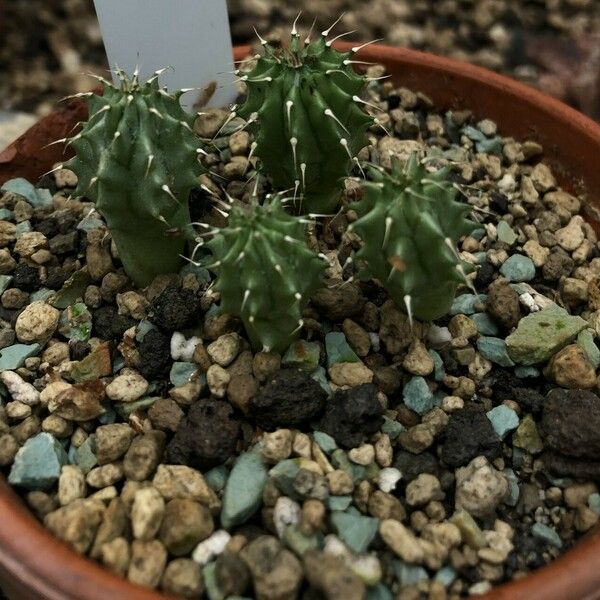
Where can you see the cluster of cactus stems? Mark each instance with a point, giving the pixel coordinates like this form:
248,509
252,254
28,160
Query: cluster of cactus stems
137,158
409,222
304,107
266,273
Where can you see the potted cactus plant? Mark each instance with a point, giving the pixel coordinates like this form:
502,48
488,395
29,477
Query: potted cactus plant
322,355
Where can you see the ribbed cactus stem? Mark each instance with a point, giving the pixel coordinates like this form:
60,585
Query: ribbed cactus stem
137,159
410,222
306,113
266,273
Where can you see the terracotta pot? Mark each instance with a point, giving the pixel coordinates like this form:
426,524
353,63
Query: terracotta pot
35,565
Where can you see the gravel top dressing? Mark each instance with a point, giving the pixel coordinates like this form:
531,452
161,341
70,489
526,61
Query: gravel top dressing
374,458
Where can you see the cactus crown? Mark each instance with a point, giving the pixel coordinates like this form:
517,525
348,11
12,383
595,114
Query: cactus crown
137,159
409,222
266,274
303,106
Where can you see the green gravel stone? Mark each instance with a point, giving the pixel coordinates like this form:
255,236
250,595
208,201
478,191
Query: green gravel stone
494,349
320,376
540,335
85,455
417,395
216,478
243,491
446,576
13,357
506,233
38,463
518,268
356,531
594,502
586,340
503,419
324,441
5,281
392,428
409,575
22,187
468,304
211,584
485,324
338,502
524,372
546,534
439,372
23,227
338,350
182,373
299,543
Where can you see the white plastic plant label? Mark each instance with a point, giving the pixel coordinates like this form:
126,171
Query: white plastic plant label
191,37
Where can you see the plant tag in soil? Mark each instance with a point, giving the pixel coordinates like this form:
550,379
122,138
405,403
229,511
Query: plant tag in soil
191,37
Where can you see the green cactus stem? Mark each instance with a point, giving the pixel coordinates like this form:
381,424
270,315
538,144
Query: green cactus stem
137,160
410,222
304,108
266,273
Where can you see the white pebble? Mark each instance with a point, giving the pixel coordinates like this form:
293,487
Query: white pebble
438,337
388,478
19,389
286,513
209,548
182,349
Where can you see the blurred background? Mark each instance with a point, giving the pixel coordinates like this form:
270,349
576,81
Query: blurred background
46,45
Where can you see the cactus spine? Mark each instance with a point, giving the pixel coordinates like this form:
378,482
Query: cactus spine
303,106
137,159
266,274
409,222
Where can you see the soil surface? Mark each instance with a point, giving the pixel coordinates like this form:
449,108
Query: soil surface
373,456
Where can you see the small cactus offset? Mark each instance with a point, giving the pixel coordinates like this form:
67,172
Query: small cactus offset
304,108
137,159
266,273
410,222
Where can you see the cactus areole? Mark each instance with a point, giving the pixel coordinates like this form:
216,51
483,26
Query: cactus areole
137,160
266,273
410,222
304,108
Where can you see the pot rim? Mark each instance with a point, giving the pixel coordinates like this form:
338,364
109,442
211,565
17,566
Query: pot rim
34,561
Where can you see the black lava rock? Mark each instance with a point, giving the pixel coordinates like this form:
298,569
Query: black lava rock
504,384
175,309
529,399
570,423
56,278
206,436
412,465
290,398
79,350
485,275
155,353
109,324
26,278
468,434
567,466
353,415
